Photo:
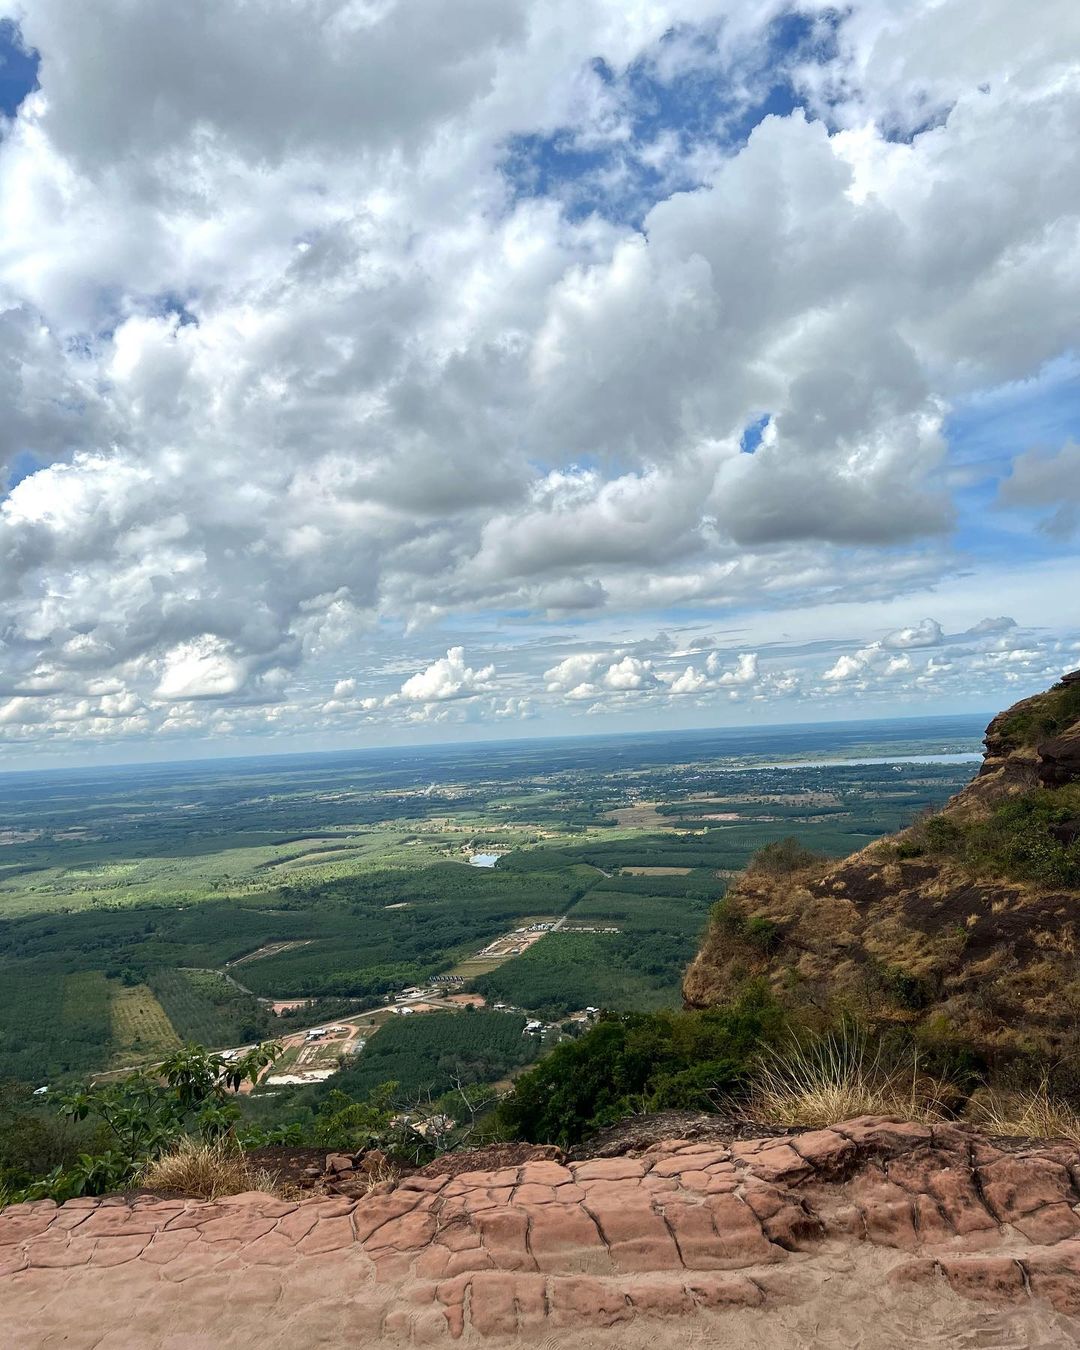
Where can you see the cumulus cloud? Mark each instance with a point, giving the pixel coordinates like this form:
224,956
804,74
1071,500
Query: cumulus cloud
448,677
201,669
926,633
282,374
745,671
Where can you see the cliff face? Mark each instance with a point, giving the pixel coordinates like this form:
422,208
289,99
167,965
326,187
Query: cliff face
964,926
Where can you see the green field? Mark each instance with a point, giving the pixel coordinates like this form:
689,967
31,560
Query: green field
127,896
434,1051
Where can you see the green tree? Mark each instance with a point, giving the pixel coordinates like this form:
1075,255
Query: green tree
142,1114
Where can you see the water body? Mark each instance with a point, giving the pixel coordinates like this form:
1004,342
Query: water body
484,859
960,757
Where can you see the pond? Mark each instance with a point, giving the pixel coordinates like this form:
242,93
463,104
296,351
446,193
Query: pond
484,859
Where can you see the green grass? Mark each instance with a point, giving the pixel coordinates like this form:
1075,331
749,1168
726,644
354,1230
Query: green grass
1031,838
1049,715
140,1026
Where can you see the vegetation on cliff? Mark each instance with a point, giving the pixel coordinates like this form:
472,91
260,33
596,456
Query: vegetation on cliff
962,929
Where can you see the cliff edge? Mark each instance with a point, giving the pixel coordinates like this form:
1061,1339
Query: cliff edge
963,926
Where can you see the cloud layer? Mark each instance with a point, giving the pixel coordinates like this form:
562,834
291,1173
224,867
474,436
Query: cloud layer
305,377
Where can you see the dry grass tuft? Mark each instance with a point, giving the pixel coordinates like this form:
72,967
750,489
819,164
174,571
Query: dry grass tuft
205,1171
815,1081
1034,1115
380,1174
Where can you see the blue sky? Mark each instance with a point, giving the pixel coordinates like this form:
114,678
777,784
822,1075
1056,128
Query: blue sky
536,369
18,68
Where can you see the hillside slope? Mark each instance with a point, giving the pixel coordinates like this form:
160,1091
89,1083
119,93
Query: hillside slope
964,926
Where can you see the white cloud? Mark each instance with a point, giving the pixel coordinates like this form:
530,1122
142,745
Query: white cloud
200,669
691,681
745,672
302,377
629,673
926,633
447,678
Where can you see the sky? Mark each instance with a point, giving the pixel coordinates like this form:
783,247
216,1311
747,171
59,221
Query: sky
380,371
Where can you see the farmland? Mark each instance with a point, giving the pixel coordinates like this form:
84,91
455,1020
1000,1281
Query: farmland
141,907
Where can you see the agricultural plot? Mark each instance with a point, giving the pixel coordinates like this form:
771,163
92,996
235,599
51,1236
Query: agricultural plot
503,948
140,1026
208,1008
433,1051
638,965
53,1023
342,877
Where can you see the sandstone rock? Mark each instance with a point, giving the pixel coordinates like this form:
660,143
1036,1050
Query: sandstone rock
541,1251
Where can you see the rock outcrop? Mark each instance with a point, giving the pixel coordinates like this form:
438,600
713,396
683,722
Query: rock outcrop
875,1232
959,926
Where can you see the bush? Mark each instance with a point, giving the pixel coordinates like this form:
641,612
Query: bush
1053,713
1031,838
33,1138
145,1114
638,1062
784,856
755,930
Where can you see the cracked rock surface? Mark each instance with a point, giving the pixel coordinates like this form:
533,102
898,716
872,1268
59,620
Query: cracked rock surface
873,1233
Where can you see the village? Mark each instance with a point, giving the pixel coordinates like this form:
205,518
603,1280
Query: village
313,1054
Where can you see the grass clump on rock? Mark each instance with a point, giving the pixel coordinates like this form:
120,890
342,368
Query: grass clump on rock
817,1080
204,1170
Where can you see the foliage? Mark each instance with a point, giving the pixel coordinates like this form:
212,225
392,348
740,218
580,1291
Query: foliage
348,1124
783,857
1047,715
756,931
33,1138
1035,837
145,1113
638,1062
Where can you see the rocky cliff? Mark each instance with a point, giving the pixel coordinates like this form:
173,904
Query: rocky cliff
964,926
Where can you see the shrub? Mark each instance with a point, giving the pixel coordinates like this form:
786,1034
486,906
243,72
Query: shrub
914,992
784,856
144,1114
756,931
639,1062
1053,713
1035,837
